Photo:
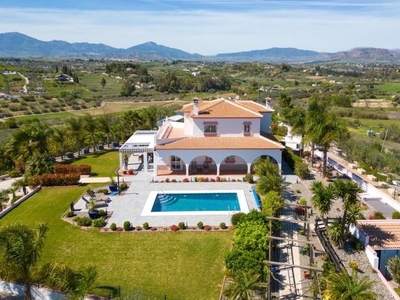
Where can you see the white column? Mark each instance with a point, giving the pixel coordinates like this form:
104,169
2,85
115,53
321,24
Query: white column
120,160
218,169
248,167
187,169
145,162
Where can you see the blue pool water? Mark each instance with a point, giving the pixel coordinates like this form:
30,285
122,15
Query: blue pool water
196,202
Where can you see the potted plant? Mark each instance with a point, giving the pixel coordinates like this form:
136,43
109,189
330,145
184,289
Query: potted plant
113,185
92,211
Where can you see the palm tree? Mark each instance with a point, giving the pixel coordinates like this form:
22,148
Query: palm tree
29,139
131,121
150,116
243,286
59,137
20,250
105,127
75,284
298,122
90,126
4,198
393,267
342,286
75,128
322,199
269,179
348,192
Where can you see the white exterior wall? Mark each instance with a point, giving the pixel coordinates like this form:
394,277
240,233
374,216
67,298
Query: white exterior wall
188,129
227,127
266,122
37,293
372,257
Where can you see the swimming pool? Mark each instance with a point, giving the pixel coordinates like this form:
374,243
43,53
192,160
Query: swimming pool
195,202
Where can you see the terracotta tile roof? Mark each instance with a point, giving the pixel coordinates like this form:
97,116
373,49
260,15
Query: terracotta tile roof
221,143
383,234
254,106
223,108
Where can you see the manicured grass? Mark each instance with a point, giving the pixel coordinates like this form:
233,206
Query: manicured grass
103,163
181,265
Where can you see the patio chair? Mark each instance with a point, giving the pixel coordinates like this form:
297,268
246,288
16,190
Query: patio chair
99,203
96,197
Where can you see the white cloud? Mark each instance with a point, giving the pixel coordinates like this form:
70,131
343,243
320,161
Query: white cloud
211,32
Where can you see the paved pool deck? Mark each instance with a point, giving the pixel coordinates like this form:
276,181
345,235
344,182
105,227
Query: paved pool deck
129,206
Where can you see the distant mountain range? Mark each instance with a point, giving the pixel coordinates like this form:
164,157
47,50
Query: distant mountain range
14,44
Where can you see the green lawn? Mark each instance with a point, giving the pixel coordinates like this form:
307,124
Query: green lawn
181,265
103,163
393,87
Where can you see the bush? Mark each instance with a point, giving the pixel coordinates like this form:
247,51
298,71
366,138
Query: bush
100,222
353,265
379,216
102,191
70,214
127,226
207,227
138,228
181,225
200,225
396,215
71,169
236,218
174,228
123,186
102,213
249,178
301,170
222,225
113,226
146,225
84,221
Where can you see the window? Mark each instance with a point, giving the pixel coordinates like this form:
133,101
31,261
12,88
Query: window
176,163
210,128
246,128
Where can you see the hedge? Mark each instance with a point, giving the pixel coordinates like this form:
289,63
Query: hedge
72,169
53,179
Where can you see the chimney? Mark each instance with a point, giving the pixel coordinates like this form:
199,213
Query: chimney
195,106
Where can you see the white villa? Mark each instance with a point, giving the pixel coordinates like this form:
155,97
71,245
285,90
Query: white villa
218,137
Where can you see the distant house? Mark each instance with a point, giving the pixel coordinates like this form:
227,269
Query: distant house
62,77
40,89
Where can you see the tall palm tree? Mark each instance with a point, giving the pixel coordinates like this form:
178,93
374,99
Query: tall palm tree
269,175
342,286
322,128
75,128
104,124
90,127
347,191
322,198
131,121
59,137
150,116
20,250
243,286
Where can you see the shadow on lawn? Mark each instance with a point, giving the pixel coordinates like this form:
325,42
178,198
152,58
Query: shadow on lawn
107,291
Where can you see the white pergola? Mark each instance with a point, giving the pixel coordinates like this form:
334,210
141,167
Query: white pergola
142,141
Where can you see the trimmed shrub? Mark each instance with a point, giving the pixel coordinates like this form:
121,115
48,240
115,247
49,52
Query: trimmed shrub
200,225
100,222
53,179
84,221
123,186
174,228
207,227
70,214
248,178
69,169
396,215
102,213
181,225
222,225
146,226
138,228
113,226
127,226
379,216
236,218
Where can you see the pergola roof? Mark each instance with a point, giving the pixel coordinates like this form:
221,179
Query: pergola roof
140,141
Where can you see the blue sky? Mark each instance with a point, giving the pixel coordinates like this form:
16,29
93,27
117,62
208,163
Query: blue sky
210,26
